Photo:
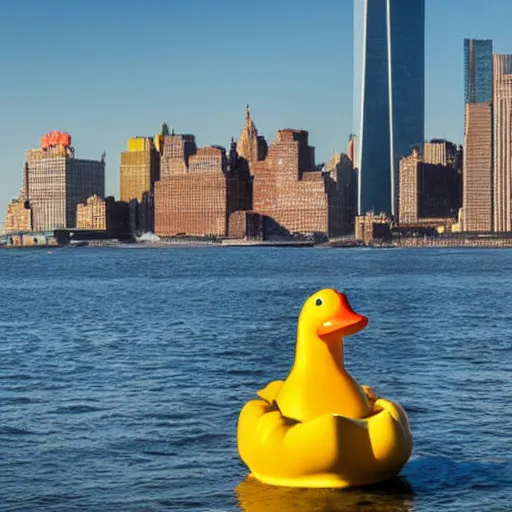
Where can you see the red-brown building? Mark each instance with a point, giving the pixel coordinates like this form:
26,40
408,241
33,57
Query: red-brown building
254,192
430,184
196,195
247,224
175,153
288,188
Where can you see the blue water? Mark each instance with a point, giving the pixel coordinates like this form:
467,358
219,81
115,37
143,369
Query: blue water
123,371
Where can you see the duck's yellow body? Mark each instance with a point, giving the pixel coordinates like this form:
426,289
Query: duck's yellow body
319,428
328,451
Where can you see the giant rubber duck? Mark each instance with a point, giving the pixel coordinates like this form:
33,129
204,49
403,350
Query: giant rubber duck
319,427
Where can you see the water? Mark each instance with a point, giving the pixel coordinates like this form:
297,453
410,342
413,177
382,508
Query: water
123,371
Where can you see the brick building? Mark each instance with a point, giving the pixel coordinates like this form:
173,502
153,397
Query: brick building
247,224
288,189
206,192
18,216
371,228
175,153
103,214
429,190
54,182
342,183
199,189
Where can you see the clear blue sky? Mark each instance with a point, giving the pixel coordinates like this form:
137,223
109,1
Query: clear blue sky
108,70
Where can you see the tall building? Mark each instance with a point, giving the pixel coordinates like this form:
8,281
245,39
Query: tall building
198,191
389,76
477,187
293,195
103,214
140,167
502,115
430,184
477,71
477,173
408,207
176,151
341,180
54,182
139,170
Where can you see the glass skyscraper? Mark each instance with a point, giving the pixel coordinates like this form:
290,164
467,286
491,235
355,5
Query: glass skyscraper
477,71
477,186
389,94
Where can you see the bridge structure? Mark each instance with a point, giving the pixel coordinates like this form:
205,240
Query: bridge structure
27,238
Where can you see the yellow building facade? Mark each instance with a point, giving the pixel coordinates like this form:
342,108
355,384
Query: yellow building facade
139,168
18,217
92,214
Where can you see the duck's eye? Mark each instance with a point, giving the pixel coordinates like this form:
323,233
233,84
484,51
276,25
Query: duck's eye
318,302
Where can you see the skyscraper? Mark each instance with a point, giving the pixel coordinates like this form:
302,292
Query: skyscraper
139,168
54,182
477,188
389,105
477,71
502,142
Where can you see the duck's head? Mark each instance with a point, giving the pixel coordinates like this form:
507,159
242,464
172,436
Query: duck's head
328,314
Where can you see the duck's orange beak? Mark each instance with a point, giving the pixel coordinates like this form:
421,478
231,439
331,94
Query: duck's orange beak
345,322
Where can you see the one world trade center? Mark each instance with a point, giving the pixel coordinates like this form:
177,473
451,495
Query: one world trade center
389,95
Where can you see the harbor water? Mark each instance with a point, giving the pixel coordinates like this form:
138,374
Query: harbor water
123,371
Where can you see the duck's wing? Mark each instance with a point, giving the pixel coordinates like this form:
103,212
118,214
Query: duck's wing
371,395
270,391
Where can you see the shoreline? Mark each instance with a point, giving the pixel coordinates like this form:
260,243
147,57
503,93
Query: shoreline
442,241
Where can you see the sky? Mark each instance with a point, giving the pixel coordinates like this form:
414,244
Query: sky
106,70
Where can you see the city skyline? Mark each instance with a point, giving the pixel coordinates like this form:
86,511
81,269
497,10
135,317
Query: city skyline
389,95
86,87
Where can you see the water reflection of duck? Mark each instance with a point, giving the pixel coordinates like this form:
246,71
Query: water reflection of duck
396,496
320,428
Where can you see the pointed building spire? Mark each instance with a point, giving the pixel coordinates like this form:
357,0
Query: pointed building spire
247,145
165,129
351,149
333,162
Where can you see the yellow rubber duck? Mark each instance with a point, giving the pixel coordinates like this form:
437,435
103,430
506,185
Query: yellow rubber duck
319,428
